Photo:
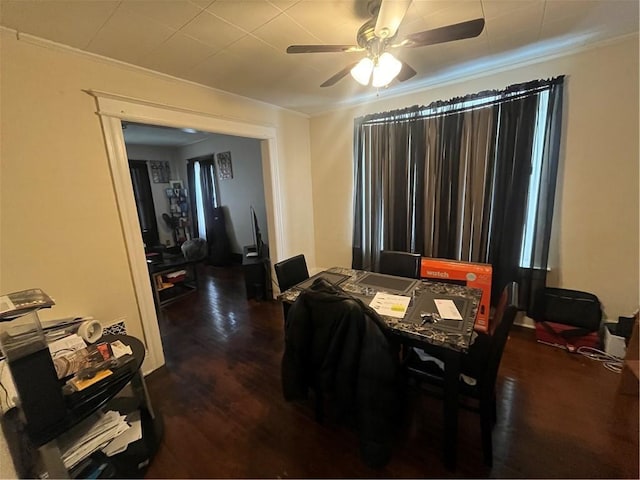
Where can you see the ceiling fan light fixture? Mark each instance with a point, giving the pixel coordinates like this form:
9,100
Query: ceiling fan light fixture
362,71
379,33
387,68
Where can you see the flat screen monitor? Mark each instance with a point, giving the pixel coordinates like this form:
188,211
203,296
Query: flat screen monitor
257,247
388,283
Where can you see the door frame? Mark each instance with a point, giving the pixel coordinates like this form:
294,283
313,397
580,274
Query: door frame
113,109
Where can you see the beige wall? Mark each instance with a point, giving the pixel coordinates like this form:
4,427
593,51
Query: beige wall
60,228
59,223
596,224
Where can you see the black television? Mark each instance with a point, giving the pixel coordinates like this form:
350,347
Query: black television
255,250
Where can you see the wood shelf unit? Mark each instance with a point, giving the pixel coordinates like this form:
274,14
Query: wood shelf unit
166,288
178,216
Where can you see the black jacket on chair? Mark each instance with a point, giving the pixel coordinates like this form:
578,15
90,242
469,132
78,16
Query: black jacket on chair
337,346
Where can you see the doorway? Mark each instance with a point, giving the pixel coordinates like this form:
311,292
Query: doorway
212,204
113,109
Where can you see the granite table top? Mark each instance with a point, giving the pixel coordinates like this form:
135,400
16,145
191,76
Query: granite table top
453,334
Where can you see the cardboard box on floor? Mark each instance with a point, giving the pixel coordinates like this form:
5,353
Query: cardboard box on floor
474,275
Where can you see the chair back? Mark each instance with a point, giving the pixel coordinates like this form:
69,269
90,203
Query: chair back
291,272
503,319
194,249
401,264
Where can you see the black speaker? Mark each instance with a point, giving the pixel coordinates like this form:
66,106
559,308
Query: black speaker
39,390
219,245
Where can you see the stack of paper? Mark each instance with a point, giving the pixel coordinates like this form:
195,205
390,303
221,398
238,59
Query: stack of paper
130,435
90,435
390,305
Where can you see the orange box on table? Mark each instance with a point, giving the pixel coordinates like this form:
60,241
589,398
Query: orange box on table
474,275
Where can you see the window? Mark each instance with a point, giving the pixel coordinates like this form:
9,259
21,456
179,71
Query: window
526,254
202,226
202,180
472,178
533,198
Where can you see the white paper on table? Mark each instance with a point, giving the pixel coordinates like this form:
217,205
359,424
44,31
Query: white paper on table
119,349
90,435
447,309
66,345
390,305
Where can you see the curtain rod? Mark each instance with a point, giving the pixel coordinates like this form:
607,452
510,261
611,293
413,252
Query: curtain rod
439,107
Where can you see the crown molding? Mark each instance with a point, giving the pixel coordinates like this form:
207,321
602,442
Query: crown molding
447,78
50,44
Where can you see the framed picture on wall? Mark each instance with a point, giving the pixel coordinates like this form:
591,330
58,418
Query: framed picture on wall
225,169
178,189
160,171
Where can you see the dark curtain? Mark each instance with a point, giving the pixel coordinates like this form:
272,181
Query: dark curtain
534,278
144,202
510,192
207,185
515,143
385,185
452,180
457,176
193,204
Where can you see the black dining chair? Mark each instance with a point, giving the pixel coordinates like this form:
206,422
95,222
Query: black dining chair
400,264
337,348
480,365
290,272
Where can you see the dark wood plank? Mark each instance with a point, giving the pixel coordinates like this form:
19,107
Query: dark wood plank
559,414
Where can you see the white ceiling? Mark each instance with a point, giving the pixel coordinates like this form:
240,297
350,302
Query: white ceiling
239,45
158,136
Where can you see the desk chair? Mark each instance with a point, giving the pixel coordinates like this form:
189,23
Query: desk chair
290,272
481,364
401,264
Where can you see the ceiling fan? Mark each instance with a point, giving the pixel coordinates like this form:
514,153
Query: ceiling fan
378,34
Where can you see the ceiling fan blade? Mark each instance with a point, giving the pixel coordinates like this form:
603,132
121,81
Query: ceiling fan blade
390,17
339,76
457,31
406,72
323,48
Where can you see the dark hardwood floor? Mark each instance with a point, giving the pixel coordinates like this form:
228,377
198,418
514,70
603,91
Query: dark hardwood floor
559,415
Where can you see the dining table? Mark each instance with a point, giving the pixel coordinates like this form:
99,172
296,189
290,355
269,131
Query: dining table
427,322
